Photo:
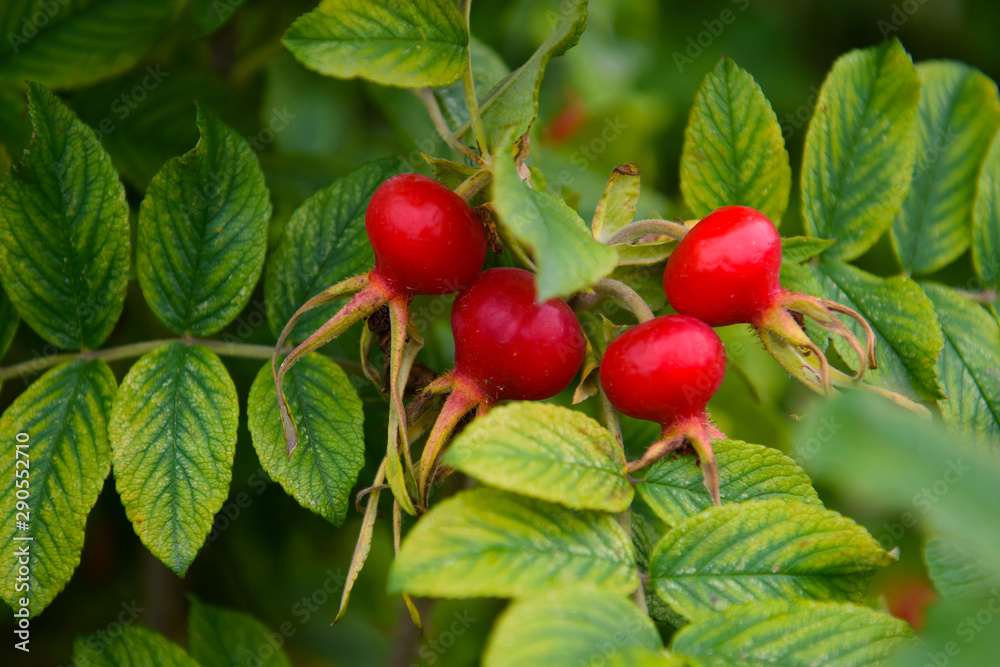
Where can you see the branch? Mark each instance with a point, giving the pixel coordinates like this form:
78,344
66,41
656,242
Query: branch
636,230
426,95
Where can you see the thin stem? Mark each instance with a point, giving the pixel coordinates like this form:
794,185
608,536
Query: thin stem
471,186
471,101
426,95
627,296
636,230
132,350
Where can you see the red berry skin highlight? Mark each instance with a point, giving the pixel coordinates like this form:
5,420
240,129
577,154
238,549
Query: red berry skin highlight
508,345
426,238
664,370
725,270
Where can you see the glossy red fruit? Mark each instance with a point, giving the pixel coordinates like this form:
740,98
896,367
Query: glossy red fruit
725,270
427,239
509,346
664,370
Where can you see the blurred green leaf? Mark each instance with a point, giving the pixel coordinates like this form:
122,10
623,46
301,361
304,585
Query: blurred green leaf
488,68
547,452
62,466
968,365
409,44
64,235
734,152
954,634
8,322
714,560
221,638
986,217
331,452
324,242
577,626
131,646
908,338
798,633
512,104
618,202
800,248
860,148
959,113
210,15
568,258
173,437
674,488
202,232
486,542
64,44
955,571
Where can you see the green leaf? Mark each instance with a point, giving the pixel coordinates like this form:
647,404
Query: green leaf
570,627
859,148
796,633
968,365
202,232
486,542
618,202
800,248
956,571
512,104
409,44
323,243
331,451
568,258
8,322
959,113
953,636
221,638
715,560
210,15
64,235
547,452
64,460
908,338
132,646
488,68
65,44
909,464
173,436
644,657
734,151
986,217
675,488
645,537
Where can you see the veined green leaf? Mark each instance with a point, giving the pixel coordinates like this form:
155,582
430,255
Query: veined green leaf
714,560
173,437
8,322
569,627
59,466
64,236
959,113
618,202
675,488
908,337
796,633
956,571
859,148
734,152
986,217
568,258
72,44
410,44
486,542
324,242
546,452
222,638
202,232
802,278
133,646
645,537
801,248
512,104
331,451
968,365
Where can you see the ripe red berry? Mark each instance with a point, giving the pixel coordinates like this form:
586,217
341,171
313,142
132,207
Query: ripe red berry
427,239
664,370
510,346
725,270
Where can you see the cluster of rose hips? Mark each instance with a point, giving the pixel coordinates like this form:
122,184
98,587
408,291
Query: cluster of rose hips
428,240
